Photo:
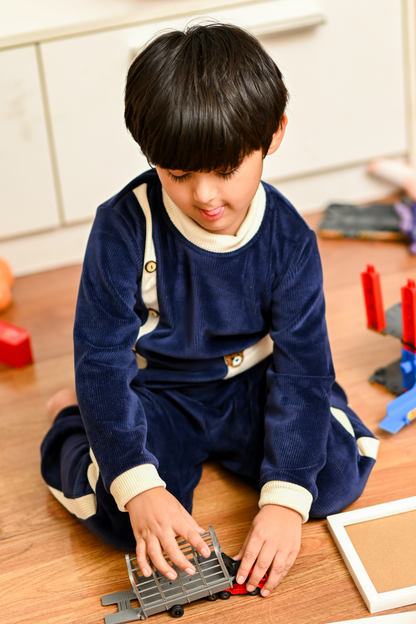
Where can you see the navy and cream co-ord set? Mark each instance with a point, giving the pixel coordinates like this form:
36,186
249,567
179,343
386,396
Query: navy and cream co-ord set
191,345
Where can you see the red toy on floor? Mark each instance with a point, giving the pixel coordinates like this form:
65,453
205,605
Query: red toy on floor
15,348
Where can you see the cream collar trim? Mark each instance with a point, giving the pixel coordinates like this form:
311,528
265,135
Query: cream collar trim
218,243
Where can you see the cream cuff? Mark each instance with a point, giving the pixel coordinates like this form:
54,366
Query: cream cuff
288,495
133,482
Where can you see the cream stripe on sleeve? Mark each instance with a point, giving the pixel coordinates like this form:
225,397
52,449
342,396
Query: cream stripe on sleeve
288,495
133,482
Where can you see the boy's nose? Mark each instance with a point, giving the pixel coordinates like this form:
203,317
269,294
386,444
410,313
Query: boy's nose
204,191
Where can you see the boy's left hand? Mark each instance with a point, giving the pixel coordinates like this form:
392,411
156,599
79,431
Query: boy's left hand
272,541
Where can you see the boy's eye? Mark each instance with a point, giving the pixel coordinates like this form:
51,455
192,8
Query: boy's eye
228,174
178,178
225,175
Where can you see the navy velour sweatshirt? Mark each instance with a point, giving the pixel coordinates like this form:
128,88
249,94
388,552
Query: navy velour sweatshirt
192,306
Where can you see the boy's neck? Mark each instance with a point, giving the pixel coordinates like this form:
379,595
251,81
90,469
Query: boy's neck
212,241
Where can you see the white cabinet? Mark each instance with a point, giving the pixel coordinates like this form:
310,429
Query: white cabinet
346,80
27,192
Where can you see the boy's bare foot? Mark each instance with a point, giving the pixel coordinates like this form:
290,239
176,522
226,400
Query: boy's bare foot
60,400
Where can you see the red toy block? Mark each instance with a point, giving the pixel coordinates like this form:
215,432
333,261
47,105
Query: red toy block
376,318
15,348
409,315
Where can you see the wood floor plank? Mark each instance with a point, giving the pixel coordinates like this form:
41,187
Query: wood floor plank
54,570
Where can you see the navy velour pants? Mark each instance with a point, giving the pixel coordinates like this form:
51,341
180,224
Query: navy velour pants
220,420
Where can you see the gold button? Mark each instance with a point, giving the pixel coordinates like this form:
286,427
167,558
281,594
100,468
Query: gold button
153,312
235,359
150,266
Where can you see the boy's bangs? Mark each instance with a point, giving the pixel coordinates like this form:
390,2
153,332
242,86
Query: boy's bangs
194,142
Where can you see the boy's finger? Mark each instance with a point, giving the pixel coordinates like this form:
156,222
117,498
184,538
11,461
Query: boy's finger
154,550
177,557
193,522
247,562
240,553
193,537
278,570
261,566
189,518
141,554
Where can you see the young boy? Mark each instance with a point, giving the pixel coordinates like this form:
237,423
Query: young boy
200,325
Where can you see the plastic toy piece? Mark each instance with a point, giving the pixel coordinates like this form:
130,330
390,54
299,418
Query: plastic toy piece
214,578
394,324
400,412
15,348
408,369
390,377
373,300
409,314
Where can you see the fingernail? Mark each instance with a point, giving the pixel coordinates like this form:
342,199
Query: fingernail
240,580
171,575
146,571
190,570
250,588
265,592
205,552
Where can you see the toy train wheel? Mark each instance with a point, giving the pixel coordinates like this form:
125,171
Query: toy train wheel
212,597
224,595
255,592
177,611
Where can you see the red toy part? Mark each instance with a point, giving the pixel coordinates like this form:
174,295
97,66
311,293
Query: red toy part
15,348
409,315
242,589
373,300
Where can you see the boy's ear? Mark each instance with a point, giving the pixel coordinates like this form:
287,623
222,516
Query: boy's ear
278,136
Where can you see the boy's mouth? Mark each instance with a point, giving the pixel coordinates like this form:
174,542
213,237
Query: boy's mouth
212,215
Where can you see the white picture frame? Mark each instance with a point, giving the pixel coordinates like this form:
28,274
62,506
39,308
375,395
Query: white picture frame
374,600
395,618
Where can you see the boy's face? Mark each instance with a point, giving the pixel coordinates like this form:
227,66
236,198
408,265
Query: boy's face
219,200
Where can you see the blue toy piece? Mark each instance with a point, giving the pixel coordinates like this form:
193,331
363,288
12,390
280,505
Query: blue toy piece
400,412
408,368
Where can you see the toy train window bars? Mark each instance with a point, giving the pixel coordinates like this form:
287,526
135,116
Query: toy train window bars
214,578
399,321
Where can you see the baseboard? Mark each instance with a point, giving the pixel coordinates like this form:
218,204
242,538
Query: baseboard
45,251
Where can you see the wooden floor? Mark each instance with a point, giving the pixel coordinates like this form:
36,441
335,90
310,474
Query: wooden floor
54,571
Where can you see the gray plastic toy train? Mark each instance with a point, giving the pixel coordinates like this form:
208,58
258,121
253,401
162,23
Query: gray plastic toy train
214,578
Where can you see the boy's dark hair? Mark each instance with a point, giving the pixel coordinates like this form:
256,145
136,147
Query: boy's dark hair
204,99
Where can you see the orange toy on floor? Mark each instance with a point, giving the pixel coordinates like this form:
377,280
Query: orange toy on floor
6,282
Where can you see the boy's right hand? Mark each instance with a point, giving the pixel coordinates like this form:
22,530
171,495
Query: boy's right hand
157,517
